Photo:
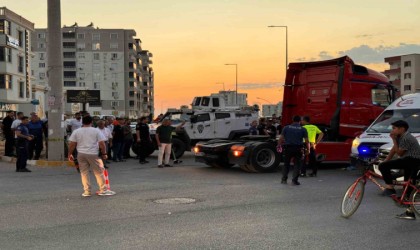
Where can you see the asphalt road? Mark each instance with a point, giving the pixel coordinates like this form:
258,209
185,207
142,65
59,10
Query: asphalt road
233,210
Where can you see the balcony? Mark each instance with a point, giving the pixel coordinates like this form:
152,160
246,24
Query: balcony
392,71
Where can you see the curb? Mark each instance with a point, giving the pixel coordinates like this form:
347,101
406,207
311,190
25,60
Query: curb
39,163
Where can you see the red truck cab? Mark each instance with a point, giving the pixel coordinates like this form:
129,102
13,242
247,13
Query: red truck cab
341,98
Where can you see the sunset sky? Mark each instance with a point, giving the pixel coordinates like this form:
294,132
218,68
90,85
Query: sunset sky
191,40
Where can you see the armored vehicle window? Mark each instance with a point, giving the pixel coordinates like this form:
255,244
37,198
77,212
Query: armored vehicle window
197,101
222,115
216,102
205,101
203,117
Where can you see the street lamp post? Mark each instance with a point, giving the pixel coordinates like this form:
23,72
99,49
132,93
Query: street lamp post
287,56
236,87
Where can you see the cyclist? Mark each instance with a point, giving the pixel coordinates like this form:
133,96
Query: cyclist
407,148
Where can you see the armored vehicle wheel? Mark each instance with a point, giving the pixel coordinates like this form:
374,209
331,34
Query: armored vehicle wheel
178,148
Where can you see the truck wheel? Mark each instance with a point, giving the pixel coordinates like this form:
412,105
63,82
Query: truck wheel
178,147
264,158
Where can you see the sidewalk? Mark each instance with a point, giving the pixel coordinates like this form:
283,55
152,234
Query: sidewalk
43,162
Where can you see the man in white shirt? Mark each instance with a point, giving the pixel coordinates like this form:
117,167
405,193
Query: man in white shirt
89,141
76,122
106,133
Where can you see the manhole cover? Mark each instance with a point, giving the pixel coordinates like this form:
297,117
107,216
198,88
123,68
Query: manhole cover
175,201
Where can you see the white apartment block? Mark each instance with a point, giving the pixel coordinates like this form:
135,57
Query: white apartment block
404,72
98,59
15,60
269,109
230,98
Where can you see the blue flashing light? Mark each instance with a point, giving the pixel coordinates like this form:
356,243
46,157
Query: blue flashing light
364,150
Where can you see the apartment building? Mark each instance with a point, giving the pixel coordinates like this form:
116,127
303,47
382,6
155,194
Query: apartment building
269,109
106,60
404,72
15,60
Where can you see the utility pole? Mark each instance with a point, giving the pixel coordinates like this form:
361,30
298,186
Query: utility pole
55,81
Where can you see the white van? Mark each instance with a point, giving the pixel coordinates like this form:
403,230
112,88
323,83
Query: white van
365,147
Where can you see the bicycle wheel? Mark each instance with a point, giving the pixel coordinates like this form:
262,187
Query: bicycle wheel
415,199
352,198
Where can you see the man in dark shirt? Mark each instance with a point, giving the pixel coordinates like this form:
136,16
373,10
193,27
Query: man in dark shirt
23,137
293,137
271,129
143,139
407,148
118,141
8,134
164,141
35,127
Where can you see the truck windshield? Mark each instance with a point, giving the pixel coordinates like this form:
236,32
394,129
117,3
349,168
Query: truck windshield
381,97
383,123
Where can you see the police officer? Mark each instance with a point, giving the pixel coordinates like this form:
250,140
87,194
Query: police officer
295,139
143,139
23,137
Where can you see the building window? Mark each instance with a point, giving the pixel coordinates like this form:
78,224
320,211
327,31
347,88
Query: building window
41,45
114,85
69,54
69,35
2,54
96,85
41,75
407,87
21,89
96,36
96,76
96,56
5,27
131,84
81,55
69,45
114,56
81,66
5,82
113,46
42,65
9,54
69,84
114,103
69,65
20,38
20,65
82,84
81,46
407,64
131,93
114,66
41,35
114,35
81,36
41,56
131,103
407,76
96,67
81,76
69,74
96,46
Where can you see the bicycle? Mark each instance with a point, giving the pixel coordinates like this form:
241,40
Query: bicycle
354,194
